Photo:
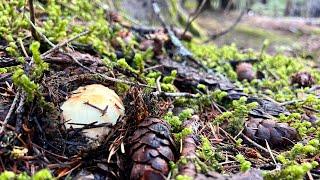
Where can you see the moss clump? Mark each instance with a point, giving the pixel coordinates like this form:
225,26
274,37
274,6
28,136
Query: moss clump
20,79
291,172
237,116
176,121
207,153
40,65
43,174
244,164
184,133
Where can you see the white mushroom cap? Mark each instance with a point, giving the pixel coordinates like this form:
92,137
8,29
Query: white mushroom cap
89,104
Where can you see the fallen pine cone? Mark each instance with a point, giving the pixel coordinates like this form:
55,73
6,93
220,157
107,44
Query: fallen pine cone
303,79
151,149
277,134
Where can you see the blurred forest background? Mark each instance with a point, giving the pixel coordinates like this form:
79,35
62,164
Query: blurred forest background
291,26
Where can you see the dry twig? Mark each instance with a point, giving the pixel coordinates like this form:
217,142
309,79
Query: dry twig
11,110
63,44
32,16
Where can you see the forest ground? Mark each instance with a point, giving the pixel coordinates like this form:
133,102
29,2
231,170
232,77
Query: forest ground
291,35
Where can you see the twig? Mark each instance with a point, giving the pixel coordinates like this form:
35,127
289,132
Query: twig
9,114
23,48
294,101
215,36
153,67
254,143
177,94
197,13
79,63
310,109
32,16
8,126
107,77
42,35
158,84
63,43
271,154
310,175
228,135
19,112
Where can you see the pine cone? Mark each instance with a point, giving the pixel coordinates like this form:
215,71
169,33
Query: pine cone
303,79
245,71
277,134
151,149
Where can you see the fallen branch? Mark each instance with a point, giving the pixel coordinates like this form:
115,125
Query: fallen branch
197,13
181,50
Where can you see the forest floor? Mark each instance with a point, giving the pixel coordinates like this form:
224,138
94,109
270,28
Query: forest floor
176,108
291,35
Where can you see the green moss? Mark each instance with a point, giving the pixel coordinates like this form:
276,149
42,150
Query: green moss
20,79
208,154
185,132
291,172
183,177
167,82
176,121
40,65
43,174
244,164
236,116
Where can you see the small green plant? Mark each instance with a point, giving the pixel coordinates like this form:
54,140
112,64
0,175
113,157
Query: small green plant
218,95
123,64
208,154
244,164
237,116
303,127
167,82
291,172
43,174
176,121
185,132
20,79
183,177
40,65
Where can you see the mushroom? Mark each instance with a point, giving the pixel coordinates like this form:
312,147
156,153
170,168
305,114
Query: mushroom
92,104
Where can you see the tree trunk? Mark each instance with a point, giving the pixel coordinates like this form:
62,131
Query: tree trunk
288,8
